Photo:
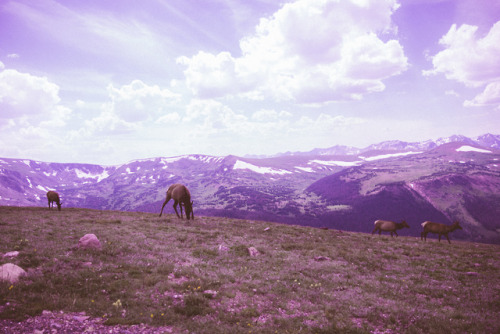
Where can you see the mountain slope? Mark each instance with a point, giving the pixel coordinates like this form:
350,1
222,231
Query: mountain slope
452,182
392,180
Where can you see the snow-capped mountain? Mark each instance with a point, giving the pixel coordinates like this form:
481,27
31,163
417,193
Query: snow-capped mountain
347,190
486,140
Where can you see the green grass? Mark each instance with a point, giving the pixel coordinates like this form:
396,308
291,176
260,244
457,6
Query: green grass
164,271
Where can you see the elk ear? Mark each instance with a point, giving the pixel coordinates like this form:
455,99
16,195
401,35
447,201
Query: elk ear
192,203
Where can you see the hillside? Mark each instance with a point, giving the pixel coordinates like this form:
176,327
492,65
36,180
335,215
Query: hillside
165,274
451,182
454,178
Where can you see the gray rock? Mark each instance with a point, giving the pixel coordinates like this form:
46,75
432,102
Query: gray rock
253,251
89,241
10,272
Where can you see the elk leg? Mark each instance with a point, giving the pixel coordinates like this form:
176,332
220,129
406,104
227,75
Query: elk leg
396,233
180,205
175,208
439,238
448,238
164,203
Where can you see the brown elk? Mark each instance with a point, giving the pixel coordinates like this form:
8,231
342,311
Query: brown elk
438,228
182,197
53,197
388,226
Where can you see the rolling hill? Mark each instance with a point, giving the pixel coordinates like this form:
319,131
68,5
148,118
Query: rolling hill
454,178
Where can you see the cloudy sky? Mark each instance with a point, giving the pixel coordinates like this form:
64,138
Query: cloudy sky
105,81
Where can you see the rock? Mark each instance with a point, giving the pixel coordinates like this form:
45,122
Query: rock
223,249
81,318
11,254
472,273
253,251
267,229
89,241
10,272
321,258
210,293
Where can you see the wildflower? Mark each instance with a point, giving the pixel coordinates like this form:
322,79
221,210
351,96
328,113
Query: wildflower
11,287
118,303
92,301
152,315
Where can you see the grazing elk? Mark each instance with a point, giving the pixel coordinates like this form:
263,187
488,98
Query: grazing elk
438,228
53,197
388,226
182,197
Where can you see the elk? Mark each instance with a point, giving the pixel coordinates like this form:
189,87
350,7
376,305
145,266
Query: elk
53,197
388,226
438,228
182,197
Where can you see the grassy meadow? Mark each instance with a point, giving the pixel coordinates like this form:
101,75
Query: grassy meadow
198,276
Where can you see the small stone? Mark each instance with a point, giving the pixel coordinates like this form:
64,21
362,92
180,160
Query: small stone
472,273
253,251
322,258
210,293
81,318
223,248
11,254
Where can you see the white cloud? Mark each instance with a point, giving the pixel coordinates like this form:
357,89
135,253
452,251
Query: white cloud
129,108
28,99
24,94
306,52
139,102
472,61
172,118
490,96
269,115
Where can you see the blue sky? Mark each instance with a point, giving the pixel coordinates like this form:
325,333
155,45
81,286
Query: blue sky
108,82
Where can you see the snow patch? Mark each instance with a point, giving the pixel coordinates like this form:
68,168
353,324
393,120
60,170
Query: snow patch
261,170
42,188
204,158
392,155
336,163
85,175
305,169
467,148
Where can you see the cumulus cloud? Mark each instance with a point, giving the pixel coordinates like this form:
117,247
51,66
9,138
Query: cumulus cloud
138,102
129,107
471,60
490,96
23,95
306,52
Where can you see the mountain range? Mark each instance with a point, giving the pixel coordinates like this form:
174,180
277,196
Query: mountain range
453,178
